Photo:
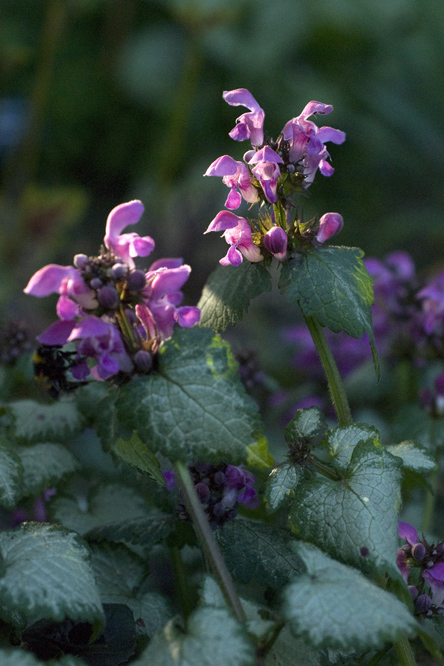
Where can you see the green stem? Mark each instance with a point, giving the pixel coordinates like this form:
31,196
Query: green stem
405,653
203,530
334,380
183,587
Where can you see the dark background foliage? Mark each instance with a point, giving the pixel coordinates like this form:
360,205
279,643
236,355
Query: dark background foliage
102,101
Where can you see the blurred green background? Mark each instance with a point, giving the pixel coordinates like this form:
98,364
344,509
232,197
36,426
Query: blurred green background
102,101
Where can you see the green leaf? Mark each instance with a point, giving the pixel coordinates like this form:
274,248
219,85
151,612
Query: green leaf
288,649
413,457
34,422
44,465
144,532
213,638
258,551
281,484
259,456
195,407
341,442
335,606
355,519
48,575
120,575
137,454
111,504
308,425
332,285
11,475
228,293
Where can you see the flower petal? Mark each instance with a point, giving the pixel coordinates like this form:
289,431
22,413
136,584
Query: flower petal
408,532
57,334
49,279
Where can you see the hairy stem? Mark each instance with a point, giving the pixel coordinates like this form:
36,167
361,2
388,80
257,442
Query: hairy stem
334,380
210,547
405,653
183,586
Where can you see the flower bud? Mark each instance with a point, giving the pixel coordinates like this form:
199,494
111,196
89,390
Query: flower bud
329,225
219,478
118,271
136,280
418,551
413,591
423,603
96,283
203,492
143,360
275,241
108,298
80,260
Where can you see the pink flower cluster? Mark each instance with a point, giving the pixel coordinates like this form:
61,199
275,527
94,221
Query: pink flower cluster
299,152
116,315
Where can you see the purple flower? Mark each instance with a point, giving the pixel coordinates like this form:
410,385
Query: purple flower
307,141
237,233
275,240
113,312
66,281
237,177
433,305
108,351
267,171
330,224
127,246
162,296
248,125
429,558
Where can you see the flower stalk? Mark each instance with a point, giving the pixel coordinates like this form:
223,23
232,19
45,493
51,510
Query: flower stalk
335,384
205,535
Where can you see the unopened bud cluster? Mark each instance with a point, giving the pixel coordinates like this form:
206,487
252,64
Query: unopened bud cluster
417,554
220,489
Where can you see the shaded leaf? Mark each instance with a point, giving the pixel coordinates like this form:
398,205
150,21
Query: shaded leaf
258,551
332,285
11,475
281,484
307,424
213,638
48,574
44,465
355,518
341,442
137,454
146,531
335,606
229,292
121,577
111,504
413,457
34,422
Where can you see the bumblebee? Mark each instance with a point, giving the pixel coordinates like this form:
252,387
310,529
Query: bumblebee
51,365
